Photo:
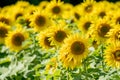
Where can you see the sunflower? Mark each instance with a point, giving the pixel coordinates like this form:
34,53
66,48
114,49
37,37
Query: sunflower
103,10
43,39
43,4
30,10
114,34
75,49
76,14
116,17
15,39
68,7
40,21
88,6
3,32
112,55
68,13
55,8
5,19
16,13
85,23
99,30
22,4
58,33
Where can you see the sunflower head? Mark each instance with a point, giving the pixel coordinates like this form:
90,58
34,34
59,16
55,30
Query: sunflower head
103,29
43,4
114,34
43,39
16,13
100,29
55,8
5,19
3,31
40,21
18,39
112,55
85,23
88,6
22,4
116,17
58,33
74,50
15,39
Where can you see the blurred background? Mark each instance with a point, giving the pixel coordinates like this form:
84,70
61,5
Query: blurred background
35,2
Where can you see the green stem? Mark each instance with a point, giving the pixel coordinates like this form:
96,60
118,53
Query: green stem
102,51
68,74
85,69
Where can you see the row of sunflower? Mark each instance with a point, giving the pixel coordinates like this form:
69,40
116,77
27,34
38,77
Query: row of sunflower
58,41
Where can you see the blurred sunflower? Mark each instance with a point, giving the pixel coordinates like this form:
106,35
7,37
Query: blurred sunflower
112,55
43,39
76,13
43,4
116,17
103,10
75,49
3,32
16,13
99,30
22,4
85,23
88,6
40,21
30,10
114,34
15,39
55,8
68,13
5,19
58,33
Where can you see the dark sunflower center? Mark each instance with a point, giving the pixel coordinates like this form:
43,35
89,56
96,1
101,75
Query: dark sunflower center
118,20
77,16
117,55
5,20
117,35
88,8
17,39
47,42
104,28
87,25
40,21
102,14
43,7
18,15
60,36
56,10
77,48
3,32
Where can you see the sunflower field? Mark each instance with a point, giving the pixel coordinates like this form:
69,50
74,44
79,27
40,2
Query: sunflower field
55,40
